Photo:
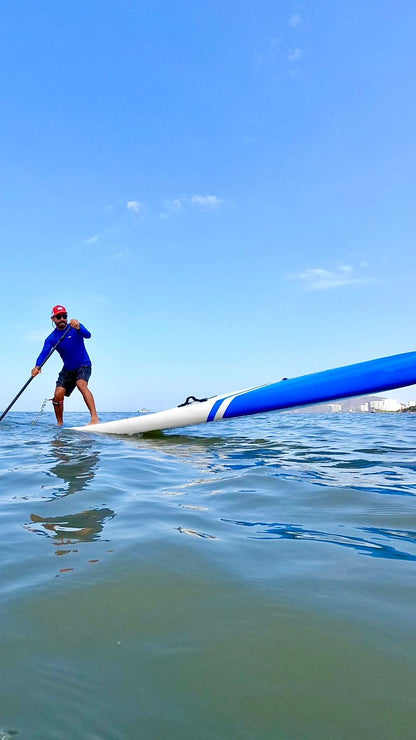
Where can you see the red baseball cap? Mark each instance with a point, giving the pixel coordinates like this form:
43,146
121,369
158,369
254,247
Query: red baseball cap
58,309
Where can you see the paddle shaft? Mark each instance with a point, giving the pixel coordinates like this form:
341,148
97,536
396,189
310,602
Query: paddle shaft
32,376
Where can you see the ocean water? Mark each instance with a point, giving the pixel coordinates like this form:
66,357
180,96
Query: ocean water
253,578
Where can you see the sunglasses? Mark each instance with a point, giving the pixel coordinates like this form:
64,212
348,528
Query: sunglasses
61,316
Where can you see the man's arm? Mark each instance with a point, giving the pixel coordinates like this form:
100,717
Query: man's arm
81,328
47,346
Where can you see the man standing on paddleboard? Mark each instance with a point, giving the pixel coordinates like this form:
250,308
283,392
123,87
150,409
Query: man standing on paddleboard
77,364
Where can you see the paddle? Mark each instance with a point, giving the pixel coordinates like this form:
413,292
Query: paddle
33,376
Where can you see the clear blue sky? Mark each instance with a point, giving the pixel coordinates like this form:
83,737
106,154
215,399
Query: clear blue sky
222,192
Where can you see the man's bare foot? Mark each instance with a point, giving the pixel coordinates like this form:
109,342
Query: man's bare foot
60,424
94,420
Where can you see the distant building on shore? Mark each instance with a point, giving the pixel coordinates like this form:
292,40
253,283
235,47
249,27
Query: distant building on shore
364,405
386,404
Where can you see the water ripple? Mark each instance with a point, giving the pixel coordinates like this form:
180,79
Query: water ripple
277,530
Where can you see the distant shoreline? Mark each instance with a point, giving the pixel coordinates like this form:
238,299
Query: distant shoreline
363,405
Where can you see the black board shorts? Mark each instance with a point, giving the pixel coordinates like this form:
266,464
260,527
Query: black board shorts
68,378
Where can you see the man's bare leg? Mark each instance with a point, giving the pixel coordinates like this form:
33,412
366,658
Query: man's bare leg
58,404
82,386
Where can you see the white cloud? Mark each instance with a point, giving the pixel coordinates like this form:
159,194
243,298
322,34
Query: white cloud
171,206
295,55
295,20
134,205
318,278
91,240
206,201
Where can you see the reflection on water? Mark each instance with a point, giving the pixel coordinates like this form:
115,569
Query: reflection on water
276,530
75,464
194,533
72,529
86,526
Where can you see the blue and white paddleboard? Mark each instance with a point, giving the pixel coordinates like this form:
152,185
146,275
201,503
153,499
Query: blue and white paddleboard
373,376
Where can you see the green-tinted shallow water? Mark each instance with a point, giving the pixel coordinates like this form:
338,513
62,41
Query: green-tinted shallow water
245,579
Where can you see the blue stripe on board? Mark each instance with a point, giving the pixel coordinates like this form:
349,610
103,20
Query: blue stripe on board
214,409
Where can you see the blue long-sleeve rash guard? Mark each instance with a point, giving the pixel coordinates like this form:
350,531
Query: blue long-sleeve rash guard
71,349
